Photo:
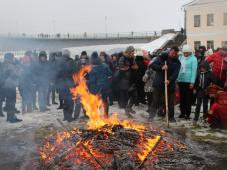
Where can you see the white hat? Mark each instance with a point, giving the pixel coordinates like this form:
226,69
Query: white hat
66,52
187,49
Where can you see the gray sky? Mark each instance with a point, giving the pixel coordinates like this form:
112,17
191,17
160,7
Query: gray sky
78,16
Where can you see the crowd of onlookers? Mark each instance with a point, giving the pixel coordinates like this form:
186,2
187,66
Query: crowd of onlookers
130,78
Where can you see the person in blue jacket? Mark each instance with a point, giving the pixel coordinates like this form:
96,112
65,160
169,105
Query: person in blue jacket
99,79
186,80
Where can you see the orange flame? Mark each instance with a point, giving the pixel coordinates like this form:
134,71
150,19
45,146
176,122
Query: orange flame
93,104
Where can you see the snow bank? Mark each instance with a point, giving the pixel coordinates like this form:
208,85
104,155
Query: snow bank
158,43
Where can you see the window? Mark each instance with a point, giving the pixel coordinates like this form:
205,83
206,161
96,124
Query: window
210,44
197,21
224,43
225,18
197,44
210,19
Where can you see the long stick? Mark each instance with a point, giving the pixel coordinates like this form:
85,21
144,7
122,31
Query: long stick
166,97
83,146
153,149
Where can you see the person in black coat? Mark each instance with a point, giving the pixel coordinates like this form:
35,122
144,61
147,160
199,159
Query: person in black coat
173,68
203,80
98,80
10,75
53,72
26,83
139,79
126,79
65,81
42,80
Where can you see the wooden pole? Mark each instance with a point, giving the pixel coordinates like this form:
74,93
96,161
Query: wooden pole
166,97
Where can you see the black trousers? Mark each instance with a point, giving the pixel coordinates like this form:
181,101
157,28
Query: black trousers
141,93
159,101
149,99
201,97
10,95
186,96
123,97
68,104
132,98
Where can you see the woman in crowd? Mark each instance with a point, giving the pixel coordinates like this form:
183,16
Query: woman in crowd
186,80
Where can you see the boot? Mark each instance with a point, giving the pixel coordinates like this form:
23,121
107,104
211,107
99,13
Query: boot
127,113
23,109
61,105
11,117
1,114
29,109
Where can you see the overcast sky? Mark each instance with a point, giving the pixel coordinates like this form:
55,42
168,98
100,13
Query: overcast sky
78,16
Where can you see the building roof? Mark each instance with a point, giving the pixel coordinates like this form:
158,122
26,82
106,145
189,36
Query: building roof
203,2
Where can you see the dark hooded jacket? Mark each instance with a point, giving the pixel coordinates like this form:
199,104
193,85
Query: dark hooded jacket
204,79
173,71
98,78
10,72
41,73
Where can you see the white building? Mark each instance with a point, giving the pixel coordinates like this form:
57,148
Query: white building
206,23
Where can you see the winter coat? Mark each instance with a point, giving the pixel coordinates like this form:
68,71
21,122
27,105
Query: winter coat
26,79
126,78
148,79
204,79
217,115
188,70
41,73
217,66
10,74
172,73
98,78
141,70
66,69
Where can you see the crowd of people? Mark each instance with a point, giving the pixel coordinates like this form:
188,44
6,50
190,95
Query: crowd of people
193,78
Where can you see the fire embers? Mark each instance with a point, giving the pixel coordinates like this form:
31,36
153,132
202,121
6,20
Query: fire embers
109,147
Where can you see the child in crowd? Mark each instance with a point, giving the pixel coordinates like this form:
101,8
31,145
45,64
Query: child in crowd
203,80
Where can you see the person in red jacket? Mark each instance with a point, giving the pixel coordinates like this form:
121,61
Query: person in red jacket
218,65
217,115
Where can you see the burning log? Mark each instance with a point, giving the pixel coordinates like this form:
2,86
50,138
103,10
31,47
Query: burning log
153,149
83,146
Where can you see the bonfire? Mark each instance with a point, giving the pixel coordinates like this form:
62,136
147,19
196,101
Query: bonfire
106,143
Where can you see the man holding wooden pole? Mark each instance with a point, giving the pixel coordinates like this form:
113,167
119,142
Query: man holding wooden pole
167,67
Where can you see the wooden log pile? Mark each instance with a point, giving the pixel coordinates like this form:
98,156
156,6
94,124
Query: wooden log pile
110,147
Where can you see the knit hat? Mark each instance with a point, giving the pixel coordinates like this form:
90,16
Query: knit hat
95,58
94,55
8,57
66,53
187,49
130,49
42,54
